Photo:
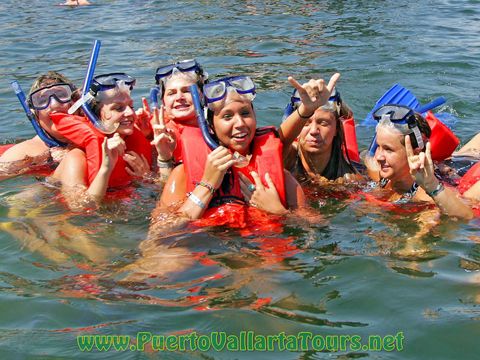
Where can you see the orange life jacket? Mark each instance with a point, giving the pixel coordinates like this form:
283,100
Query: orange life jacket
266,158
442,140
81,132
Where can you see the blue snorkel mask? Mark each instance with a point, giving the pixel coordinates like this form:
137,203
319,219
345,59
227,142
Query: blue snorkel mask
163,72
399,117
333,104
46,138
217,90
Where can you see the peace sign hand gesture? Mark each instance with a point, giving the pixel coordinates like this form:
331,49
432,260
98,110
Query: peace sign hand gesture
314,93
163,138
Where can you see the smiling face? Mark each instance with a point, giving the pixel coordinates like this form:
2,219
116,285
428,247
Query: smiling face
177,99
391,154
117,108
235,123
318,133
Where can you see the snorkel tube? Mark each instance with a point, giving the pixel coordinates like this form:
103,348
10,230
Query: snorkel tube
202,122
86,96
154,96
38,129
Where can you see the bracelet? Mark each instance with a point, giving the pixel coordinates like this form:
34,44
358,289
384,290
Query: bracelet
301,116
196,200
436,191
165,164
206,185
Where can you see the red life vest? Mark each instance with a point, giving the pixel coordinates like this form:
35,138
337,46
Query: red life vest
266,157
5,147
470,178
81,132
350,139
442,140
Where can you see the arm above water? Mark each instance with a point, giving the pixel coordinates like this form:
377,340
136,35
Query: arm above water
313,95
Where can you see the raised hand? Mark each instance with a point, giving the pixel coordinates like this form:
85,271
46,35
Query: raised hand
314,93
265,198
144,118
217,164
115,147
164,138
421,166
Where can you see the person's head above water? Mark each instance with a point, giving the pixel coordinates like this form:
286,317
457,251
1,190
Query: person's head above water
173,82
321,142
112,103
230,111
394,123
51,92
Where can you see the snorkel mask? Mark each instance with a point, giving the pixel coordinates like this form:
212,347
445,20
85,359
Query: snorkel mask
164,72
401,118
100,84
41,98
44,136
333,103
217,90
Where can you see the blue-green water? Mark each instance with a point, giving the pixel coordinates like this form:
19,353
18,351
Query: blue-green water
342,276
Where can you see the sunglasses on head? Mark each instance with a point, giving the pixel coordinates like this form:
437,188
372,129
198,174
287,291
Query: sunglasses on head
217,90
182,66
110,81
40,99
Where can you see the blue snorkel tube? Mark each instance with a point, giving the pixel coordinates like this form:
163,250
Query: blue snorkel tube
86,88
38,129
154,96
202,122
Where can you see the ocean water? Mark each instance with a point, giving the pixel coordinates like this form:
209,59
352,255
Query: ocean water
64,274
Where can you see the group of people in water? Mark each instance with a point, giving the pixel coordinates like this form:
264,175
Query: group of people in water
260,169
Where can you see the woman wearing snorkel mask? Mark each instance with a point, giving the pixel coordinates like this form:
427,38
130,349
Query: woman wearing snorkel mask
246,168
403,162
320,149
112,157
174,108
50,93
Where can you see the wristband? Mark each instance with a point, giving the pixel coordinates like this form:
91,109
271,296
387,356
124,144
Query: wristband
165,164
436,191
206,185
301,116
196,200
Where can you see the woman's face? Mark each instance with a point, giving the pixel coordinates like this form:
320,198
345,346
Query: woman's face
43,115
391,154
318,133
117,108
235,123
177,99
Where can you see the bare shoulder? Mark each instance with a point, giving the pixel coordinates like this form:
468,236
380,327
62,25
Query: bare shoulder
29,148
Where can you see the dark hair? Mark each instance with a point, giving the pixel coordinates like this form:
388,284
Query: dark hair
339,163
